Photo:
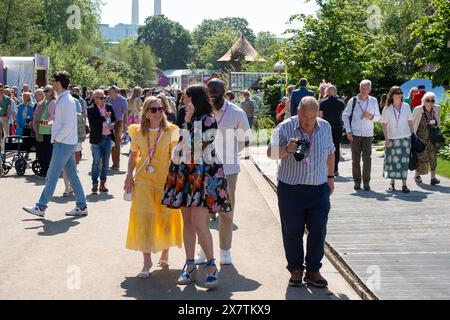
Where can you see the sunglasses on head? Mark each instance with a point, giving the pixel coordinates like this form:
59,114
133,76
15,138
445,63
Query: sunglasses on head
154,110
430,101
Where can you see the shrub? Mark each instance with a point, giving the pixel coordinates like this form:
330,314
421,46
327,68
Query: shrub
444,153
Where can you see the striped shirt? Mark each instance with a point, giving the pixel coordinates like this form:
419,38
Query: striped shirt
313,170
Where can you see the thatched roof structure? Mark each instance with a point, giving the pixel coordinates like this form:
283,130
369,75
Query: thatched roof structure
242,48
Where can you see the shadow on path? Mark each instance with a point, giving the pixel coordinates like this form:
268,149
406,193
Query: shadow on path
53,228
431,188
162,285
372,195
310,293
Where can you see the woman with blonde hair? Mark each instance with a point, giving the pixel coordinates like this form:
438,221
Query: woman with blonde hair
25,115
153,228
135,106
170,114
426,117
412,92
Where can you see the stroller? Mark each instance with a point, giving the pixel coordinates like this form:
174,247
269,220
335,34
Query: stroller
17,149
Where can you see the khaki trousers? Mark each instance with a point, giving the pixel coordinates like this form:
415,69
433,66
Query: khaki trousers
362,146
226,219
118,130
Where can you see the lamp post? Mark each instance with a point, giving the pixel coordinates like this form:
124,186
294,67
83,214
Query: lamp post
280,68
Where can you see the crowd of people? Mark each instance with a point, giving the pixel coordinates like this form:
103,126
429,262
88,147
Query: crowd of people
183,163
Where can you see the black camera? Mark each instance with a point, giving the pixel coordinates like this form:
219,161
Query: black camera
302,150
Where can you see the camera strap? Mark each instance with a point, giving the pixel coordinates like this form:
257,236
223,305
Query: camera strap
305,137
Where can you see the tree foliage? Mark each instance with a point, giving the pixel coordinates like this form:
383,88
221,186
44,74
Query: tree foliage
433,32
215,47
169,40
209,27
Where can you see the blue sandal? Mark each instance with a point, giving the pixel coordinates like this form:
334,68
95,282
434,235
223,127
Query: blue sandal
187,278
212,280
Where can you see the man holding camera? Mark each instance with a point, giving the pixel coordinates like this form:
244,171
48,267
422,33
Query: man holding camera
305,183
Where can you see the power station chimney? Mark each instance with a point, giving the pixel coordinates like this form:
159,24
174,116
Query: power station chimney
135,12
158,8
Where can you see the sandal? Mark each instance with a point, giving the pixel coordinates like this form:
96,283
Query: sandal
405,189
163,264
315,279
435,182
392,187
418,179
144,275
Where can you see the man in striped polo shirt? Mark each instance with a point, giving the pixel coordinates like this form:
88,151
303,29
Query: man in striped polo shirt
304,189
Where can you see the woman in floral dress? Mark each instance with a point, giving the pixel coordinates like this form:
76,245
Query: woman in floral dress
196,182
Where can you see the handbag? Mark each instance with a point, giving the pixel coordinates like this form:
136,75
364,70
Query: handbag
413,161
436,136
417,145
128,196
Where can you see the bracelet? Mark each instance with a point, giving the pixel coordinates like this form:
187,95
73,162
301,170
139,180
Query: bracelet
331,177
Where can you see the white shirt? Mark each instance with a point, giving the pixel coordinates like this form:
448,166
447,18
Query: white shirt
400,129
361,127
233,131
64,129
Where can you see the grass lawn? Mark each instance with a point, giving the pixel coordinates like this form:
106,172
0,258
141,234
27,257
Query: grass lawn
443,168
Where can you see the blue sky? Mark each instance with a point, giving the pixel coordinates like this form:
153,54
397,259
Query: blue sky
263,15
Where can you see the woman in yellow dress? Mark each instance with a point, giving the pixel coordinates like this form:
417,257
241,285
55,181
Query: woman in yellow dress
153,228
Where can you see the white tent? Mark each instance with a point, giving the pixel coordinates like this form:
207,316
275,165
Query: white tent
23,70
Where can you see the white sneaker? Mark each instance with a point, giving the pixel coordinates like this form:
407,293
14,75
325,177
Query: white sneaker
201,257
225,257
35,210
77,212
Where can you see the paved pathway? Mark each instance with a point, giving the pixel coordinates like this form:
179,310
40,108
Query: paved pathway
399,245
42,258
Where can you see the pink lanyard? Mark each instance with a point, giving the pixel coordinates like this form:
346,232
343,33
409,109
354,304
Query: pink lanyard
151,152
397,119
223,114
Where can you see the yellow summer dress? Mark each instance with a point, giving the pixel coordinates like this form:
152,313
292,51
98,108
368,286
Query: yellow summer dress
153,227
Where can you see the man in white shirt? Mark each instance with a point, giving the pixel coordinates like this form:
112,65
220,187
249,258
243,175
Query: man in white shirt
359,117
64,139
233,135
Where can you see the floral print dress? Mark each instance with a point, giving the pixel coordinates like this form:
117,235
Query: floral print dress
196,176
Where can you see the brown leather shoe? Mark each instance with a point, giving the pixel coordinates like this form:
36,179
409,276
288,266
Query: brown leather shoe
296,278
103,187
315,279
94,189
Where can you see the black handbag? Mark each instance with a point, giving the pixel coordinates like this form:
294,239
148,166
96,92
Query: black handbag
436,136
413,161
417,145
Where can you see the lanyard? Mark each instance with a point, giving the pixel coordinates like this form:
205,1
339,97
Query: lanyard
151,152
223,114
367,106
397,118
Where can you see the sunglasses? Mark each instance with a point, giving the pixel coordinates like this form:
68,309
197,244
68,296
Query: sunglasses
100,98
430,101
398,93
154,110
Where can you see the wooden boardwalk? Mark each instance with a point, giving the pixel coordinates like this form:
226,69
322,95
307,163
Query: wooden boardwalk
398,245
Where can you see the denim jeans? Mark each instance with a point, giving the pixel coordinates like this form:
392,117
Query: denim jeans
250,121
63,158
304,206
100,154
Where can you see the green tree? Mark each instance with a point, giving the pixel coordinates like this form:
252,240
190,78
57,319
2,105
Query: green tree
169,41
216,46
210,27
433,32
337,45
266,44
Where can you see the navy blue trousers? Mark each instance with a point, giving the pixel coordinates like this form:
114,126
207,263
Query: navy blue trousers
304,206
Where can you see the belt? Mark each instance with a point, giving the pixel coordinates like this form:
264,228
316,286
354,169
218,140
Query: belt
105,137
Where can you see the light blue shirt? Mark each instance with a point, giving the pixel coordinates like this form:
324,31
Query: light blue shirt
313,170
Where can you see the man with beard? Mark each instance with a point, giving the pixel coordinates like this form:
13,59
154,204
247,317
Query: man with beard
233,135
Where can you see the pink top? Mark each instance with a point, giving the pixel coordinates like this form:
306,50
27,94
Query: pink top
106,131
